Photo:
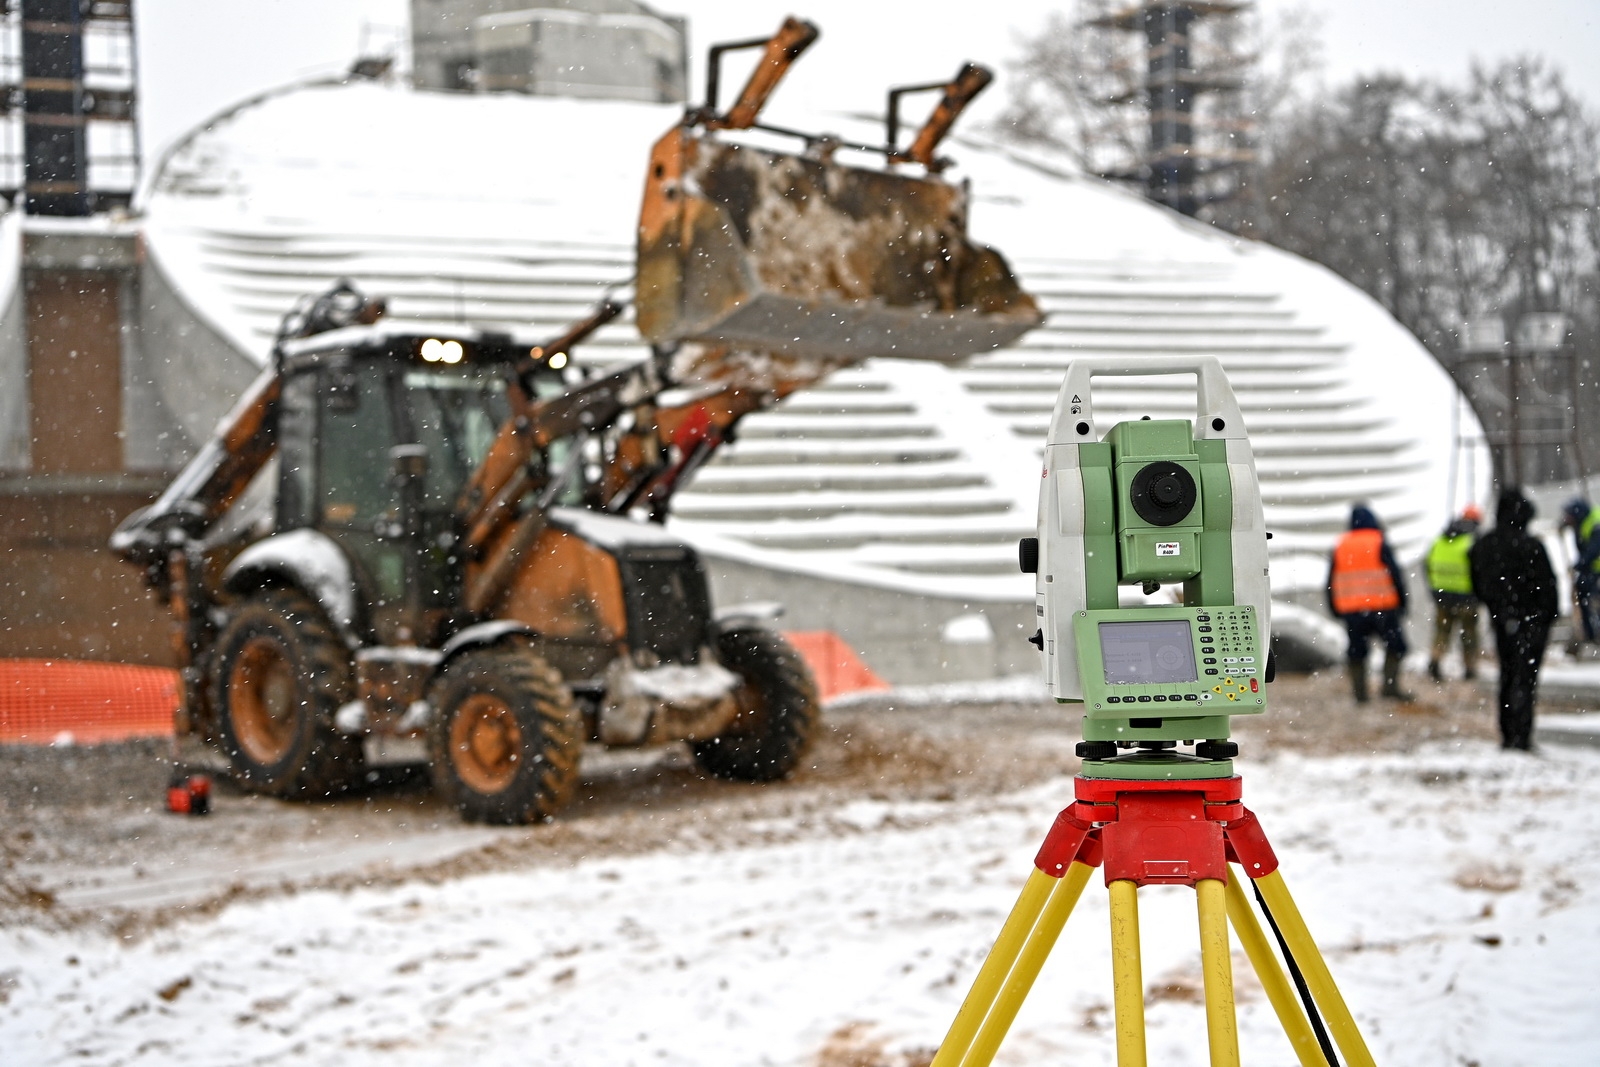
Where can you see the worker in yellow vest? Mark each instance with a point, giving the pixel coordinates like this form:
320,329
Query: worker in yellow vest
1584,520
1450,578
1367,591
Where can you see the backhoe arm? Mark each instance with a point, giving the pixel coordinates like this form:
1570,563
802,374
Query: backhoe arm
496,533
210,483
504,477
778,53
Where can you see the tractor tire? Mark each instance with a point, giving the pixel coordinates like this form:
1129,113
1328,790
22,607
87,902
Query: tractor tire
778,710
506,736
278,675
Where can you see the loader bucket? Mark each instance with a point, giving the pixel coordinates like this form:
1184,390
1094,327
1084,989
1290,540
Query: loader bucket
800,255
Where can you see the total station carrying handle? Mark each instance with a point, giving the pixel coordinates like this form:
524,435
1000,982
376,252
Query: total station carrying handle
1216,409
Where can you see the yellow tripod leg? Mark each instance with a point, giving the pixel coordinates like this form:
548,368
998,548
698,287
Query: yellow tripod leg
1216,968
1029,962
1127,978
1280,993
980,998
1341,1024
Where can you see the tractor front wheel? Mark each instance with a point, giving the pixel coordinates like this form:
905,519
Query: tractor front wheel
506,736
278,675
778,710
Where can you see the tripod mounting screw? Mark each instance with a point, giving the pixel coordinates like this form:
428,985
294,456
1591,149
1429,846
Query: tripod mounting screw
1096,749
1217,749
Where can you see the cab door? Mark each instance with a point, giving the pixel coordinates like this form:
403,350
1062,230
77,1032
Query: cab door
451,416
358,498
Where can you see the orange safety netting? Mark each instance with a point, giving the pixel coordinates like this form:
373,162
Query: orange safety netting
833,663
42,700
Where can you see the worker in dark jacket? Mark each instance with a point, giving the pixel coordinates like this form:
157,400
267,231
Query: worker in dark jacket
1511,574
1450,579
1584,520
1367,591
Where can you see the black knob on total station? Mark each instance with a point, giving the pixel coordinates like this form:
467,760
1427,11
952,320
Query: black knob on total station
1096,749
1217,749
1028,555
1037,640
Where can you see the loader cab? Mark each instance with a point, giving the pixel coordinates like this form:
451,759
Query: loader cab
378,433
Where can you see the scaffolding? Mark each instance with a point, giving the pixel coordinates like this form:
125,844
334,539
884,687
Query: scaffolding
69,141
1165,83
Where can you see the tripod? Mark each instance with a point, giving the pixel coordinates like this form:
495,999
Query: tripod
1160,832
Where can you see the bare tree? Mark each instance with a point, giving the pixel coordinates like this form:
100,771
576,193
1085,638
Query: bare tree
1347,185
1449,204
1078,89
1446,203
1057,99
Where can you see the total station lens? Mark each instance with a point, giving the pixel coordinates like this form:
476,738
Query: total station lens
1163,493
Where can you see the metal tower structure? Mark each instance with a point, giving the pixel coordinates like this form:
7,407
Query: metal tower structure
68,138
1176,67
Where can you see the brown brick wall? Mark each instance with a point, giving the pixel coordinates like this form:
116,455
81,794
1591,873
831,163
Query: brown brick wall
75,370
62,593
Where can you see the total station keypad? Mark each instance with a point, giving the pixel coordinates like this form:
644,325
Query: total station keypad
1227,642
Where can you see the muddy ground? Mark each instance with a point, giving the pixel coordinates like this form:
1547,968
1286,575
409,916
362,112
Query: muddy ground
85,839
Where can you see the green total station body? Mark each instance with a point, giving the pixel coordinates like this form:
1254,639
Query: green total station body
1156,503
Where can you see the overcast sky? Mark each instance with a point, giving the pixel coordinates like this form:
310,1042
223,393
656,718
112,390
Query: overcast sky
197,56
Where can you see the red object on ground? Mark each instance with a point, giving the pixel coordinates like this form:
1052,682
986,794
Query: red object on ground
189,794
42,700
834,664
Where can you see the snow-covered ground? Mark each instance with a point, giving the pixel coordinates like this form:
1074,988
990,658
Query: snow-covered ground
1453,891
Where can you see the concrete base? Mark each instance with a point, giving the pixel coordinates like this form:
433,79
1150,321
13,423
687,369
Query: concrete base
909,639
1567,730
901,636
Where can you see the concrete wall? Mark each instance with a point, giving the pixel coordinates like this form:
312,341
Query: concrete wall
177,355
901,636
153,440
64,338
15,412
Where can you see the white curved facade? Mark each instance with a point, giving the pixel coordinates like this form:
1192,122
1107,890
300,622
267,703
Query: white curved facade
14,415
901,476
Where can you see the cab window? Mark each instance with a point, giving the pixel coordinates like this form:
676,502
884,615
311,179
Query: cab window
455,416
356,434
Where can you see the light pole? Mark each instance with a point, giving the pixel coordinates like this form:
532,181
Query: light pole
1537,333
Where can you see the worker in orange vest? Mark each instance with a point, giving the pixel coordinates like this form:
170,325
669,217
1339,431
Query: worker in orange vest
1367,591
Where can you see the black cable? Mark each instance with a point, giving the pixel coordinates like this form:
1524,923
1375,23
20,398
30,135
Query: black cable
1299,980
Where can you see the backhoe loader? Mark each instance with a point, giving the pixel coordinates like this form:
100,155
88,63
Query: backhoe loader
436,533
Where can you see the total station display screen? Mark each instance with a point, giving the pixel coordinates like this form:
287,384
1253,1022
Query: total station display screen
1139,653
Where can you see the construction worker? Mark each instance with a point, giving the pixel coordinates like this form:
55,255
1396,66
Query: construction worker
1511,573
1367,591
1584,521
1450,578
